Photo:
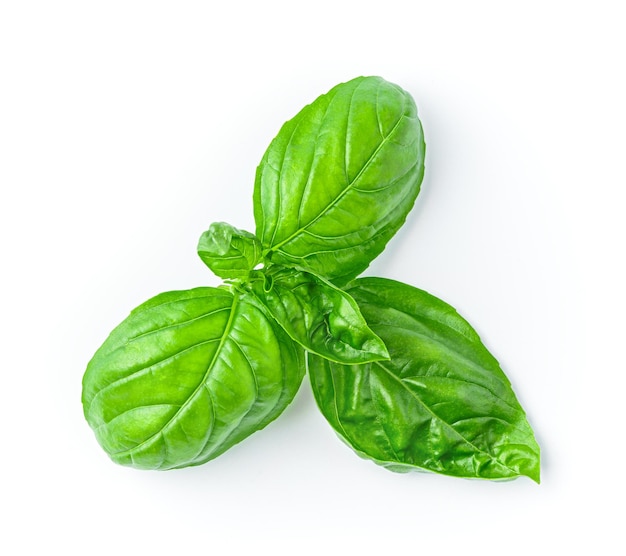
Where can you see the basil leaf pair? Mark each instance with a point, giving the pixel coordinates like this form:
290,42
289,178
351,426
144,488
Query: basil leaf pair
399,375
442,403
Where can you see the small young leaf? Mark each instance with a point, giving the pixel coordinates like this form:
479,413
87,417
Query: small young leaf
339,179
230,253
441,403
319,316
186,376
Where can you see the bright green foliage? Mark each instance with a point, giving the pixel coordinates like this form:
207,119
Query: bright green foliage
187,375
399,375
441,403
319,316
230,253
340,178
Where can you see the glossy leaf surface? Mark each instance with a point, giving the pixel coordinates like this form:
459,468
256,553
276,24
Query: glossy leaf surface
319,316
187,375
229,252
441,403
340,178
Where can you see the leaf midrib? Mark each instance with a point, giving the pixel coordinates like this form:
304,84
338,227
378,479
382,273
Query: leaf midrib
201,384
445,423
462,358
344,192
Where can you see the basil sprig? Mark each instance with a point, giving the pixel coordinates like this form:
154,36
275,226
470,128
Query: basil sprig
401,377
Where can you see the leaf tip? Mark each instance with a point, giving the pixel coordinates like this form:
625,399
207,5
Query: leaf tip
377,348
535,473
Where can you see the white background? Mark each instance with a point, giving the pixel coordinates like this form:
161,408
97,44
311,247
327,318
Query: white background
126,128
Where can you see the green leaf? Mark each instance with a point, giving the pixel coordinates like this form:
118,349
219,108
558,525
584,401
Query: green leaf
230,253
339,179
319,316
186,376
441,403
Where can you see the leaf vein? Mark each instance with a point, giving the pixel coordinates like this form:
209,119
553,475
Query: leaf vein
343,193
445,423
210,366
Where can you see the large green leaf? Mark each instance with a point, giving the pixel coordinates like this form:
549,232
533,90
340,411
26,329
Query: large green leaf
187,375
319,316
441,403
339,179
